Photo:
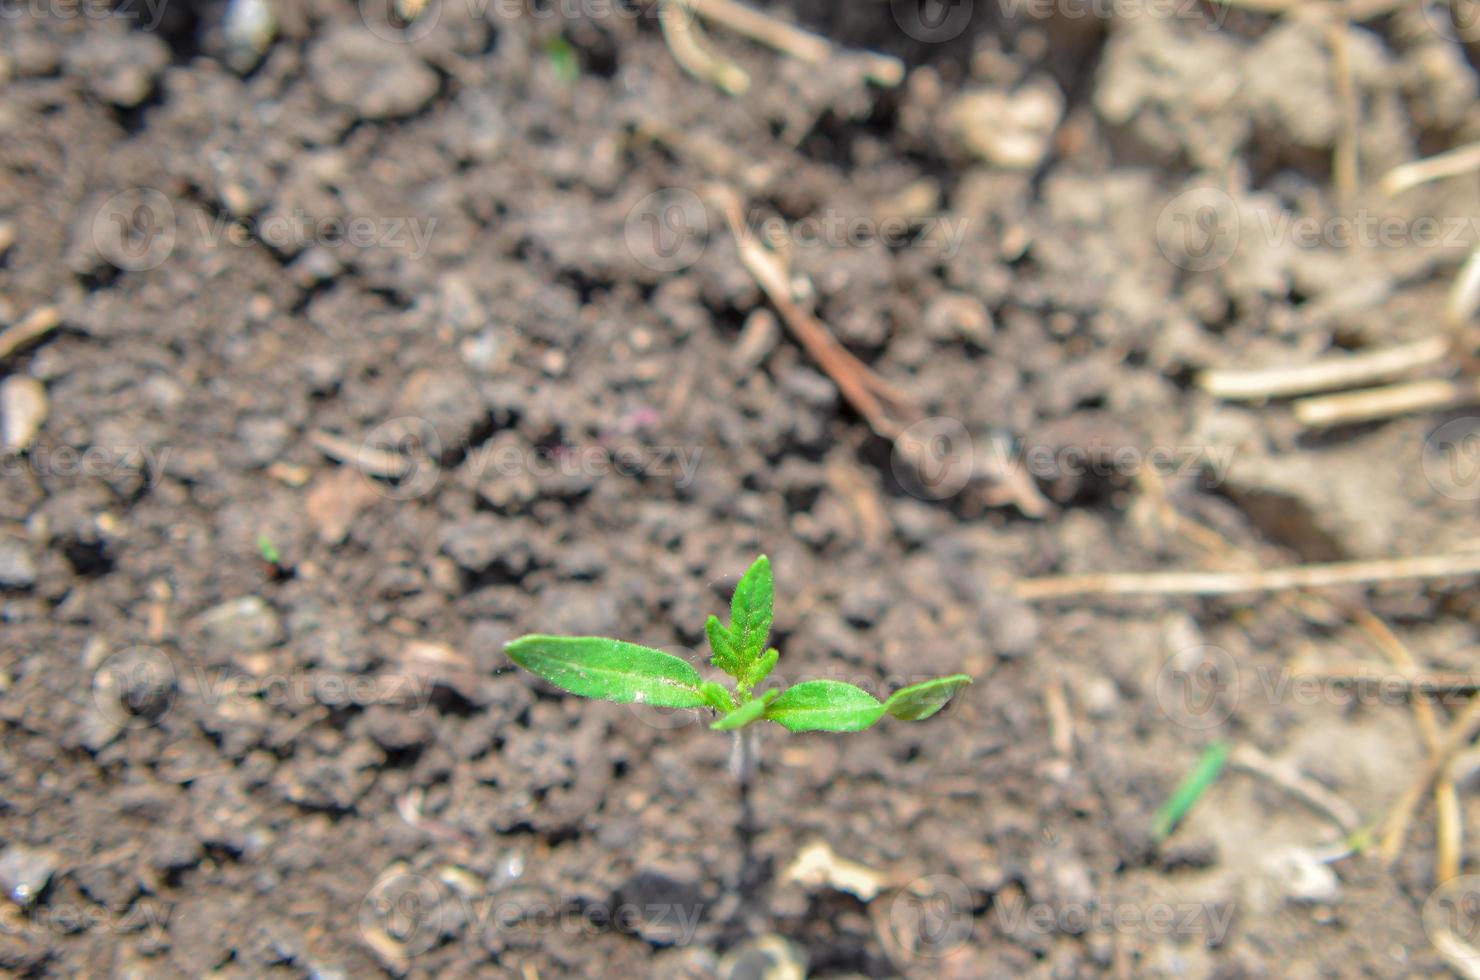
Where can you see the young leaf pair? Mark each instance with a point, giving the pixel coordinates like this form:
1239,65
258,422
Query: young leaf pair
612,670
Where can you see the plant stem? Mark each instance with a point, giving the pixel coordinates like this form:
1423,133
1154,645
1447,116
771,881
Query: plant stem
743,756
751,875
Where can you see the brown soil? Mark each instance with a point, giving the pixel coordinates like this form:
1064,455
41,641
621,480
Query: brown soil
487,242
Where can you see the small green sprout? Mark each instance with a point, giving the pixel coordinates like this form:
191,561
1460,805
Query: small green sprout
1192,787
563,59
268,550
596,667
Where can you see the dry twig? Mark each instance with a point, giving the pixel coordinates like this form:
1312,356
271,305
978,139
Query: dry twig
1265,580
887,410
1344,166
381,463
1307,790
30,328
1372,404
790,40
685,41
1449,825
1451,163
1400,816
1330,374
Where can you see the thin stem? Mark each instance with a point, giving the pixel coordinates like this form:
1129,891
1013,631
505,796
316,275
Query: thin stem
750,882
743,757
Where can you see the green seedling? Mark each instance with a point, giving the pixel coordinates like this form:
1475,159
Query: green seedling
1203,775
563,59
268,550
612,670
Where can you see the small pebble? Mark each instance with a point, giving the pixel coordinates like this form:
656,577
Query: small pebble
957,315
175,851
249,28
355,69
23,408
1302,877
765,958
17,568
25,871
1012,131
242,625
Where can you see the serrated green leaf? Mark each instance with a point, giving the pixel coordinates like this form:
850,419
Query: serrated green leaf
717,697
723,646
597,667
825,706
746,713
751,611
762,668
919,701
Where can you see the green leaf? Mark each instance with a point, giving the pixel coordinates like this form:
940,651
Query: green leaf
762,668
268,550
825,706
751,611
723,645
597,667
563,59
746,713
717,697
919,701
1203,775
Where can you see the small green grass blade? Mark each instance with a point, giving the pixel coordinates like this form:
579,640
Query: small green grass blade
268,550
1187,793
